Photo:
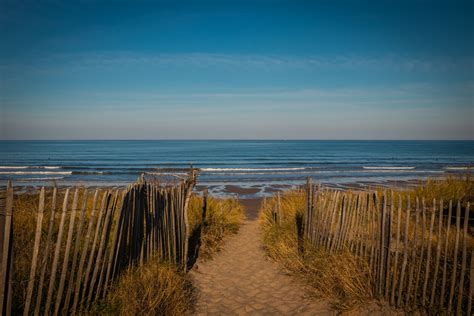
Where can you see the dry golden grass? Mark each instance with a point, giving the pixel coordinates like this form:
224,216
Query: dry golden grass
342,278
170,296
151,289
453,188
25,208
223,218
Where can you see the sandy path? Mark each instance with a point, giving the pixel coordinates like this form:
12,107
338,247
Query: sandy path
240,280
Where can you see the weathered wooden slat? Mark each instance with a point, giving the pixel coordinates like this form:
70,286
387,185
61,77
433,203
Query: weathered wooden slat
413,255
446,254
114,246
85,249
471,285
464,259
381,270
397,246
405,254
428,255
101,286
422,252
46,254
388,230
34,259
57,251
62,280
340,217
100,253
373,250
92,255
71,285
5,290
188,194
438,253
455,261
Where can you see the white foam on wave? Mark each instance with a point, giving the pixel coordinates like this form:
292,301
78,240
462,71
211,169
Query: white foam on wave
253,169
388,168
457,168
39,179
29,167
36,172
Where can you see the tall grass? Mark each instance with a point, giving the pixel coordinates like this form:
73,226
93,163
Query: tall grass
223,218
171,296
344,279
154,288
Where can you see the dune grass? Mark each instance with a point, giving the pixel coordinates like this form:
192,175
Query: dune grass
223,218
167,291
343,278
155,288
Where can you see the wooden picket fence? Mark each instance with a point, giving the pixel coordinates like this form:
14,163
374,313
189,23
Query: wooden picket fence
417,250
92,239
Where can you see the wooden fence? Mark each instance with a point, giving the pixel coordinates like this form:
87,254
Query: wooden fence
420,253
90,241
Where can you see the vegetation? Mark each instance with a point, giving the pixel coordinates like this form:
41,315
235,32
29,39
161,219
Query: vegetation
342,277
153,288
223,218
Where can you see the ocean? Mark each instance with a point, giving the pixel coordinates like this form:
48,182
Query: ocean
264,164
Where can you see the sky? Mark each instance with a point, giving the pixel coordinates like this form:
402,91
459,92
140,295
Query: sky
236,69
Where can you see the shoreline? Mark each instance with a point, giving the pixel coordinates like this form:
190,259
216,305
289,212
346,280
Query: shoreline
240,190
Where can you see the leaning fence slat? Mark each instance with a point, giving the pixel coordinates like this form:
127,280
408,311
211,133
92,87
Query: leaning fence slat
92,255
405,254
45,258
98,261
84,252
75,253
471,285
381,273
443,283
455,263
388,246
114,246
464,259
34,260
422,243
428,255
397,246
54,268
438,252
5,292
106,242
373,250
62,281
413,256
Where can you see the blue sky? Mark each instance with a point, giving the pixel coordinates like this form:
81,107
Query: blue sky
225,69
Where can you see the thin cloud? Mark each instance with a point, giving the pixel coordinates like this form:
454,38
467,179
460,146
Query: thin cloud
255,61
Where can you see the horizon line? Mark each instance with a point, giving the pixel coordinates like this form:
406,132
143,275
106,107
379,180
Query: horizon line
236,139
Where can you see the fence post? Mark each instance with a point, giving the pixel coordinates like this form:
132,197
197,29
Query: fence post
464,259
455,264
308,209
443,283
34,260
39,297
7,247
